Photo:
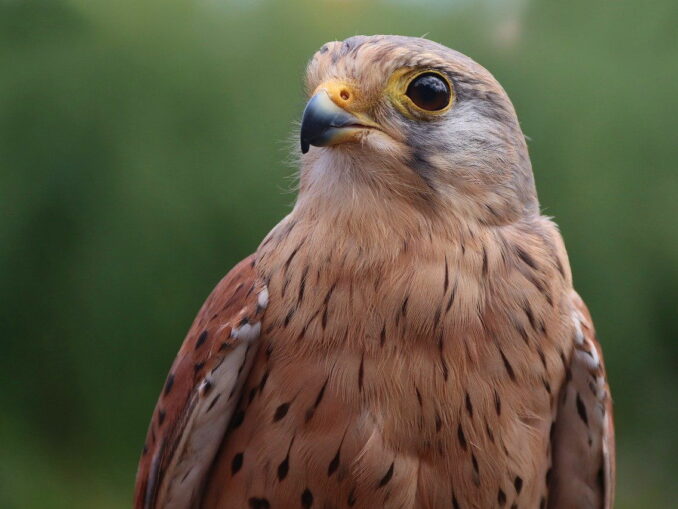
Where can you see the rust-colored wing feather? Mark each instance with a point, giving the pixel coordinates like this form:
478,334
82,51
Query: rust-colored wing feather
583,472
201,390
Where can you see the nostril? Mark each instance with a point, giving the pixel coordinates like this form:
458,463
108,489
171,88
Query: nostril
344,95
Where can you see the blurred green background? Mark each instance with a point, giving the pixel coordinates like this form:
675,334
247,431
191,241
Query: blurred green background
145,148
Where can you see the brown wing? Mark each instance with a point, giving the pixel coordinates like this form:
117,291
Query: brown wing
583,471
201,390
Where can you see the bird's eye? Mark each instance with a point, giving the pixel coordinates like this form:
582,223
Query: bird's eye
429,91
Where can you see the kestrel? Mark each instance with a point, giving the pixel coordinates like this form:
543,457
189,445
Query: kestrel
408,336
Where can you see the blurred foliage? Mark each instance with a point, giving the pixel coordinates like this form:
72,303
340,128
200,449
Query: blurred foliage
145,148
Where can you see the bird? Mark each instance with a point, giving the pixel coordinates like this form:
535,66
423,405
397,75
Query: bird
408,336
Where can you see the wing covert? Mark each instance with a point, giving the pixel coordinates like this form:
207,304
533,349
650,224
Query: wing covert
582,439
201,390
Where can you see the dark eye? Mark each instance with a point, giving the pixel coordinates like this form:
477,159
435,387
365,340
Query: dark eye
429,91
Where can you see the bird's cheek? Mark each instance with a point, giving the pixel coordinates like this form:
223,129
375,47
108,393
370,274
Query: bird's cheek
383,143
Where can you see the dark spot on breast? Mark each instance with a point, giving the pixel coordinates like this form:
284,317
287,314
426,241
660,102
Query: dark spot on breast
291,257
501,497
284,467
334,464
288,317
403,309
490,435
451,300
198,366
526,257
361,373
259,503
306,499
455,502
161,417
263,381
530,315
461,437
507,365
476,470
387,476
352,498
469,406
302,285
281,412
236,464
201,339
518,483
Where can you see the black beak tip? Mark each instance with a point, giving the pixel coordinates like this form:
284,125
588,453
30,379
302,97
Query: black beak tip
304,146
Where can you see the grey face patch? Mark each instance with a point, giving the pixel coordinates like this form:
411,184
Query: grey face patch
423,139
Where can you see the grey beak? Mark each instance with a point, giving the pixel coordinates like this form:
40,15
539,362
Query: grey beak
322,120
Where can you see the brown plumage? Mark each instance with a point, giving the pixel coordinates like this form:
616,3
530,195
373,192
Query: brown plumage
408,336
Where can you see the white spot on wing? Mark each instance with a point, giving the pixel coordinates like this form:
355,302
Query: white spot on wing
262,299
247,332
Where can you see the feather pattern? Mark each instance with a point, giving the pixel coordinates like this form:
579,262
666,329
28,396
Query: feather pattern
200,392
583,473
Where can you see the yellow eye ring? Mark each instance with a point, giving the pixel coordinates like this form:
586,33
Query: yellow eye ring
423,93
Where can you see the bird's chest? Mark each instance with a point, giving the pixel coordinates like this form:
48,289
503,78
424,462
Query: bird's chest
413,388
385,427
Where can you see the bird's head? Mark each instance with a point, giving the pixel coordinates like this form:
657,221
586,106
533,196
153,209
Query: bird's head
399,120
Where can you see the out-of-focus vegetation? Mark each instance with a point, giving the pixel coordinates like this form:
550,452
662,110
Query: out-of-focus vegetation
144,149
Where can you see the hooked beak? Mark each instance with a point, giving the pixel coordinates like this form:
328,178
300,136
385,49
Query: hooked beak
324,123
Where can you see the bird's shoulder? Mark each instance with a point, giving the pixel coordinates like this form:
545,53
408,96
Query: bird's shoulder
201,390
